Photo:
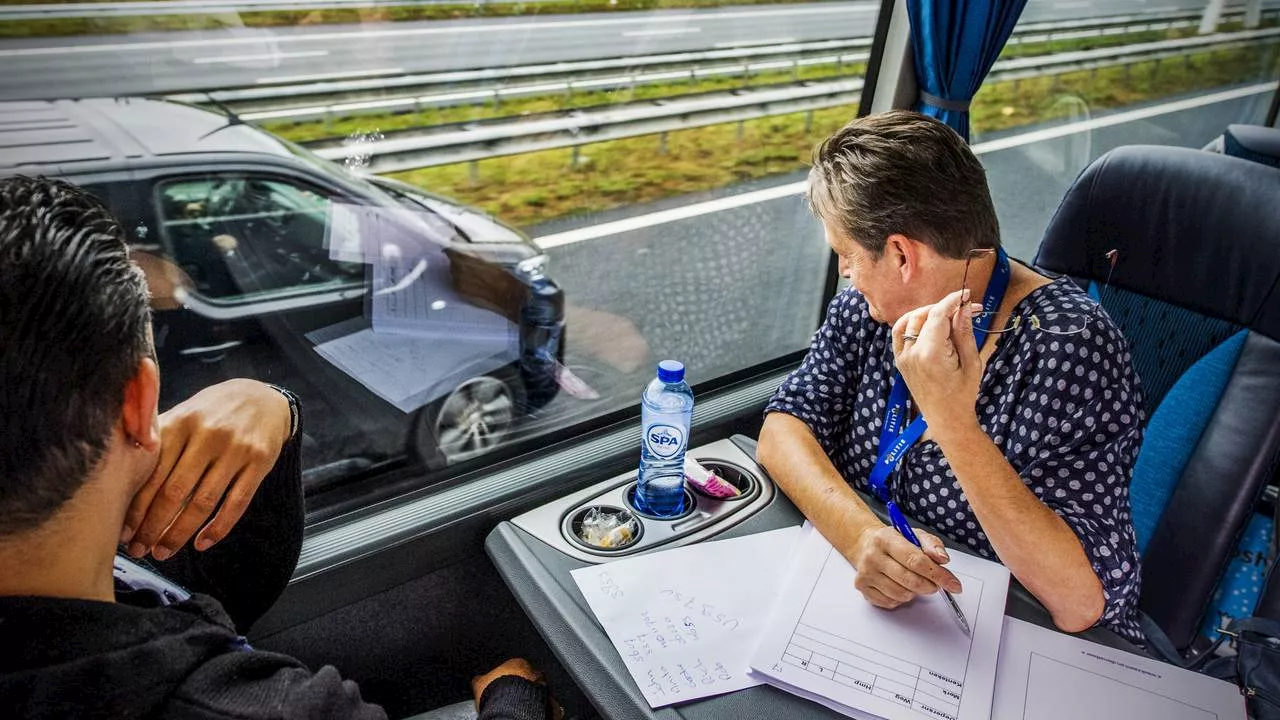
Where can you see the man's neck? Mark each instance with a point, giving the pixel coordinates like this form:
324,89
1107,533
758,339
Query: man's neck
70,556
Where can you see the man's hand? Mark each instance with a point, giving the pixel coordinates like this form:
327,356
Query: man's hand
518,667
892,571
215,450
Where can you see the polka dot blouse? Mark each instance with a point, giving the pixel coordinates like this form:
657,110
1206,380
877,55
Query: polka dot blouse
1066,411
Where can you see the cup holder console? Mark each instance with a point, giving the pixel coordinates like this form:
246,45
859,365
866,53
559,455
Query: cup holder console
602,521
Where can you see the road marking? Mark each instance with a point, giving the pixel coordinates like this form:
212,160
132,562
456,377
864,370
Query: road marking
754,43
434,29
330,76
672,31
263,56
666,216
777,192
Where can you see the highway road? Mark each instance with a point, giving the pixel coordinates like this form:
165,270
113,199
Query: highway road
239,56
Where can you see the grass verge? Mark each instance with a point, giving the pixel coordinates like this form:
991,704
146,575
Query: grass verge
536,187
66,27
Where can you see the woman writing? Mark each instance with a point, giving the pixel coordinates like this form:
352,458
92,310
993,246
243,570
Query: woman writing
1011,397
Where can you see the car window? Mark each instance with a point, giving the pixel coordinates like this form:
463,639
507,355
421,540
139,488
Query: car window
241,235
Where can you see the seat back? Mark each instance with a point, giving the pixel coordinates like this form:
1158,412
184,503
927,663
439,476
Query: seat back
1194,290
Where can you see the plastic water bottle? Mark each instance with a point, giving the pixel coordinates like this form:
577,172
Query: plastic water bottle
666,412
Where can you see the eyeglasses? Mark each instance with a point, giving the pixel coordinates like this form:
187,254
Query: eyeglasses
1052,323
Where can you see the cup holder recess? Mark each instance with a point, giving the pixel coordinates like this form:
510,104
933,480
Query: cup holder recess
689,503
732,474
605,528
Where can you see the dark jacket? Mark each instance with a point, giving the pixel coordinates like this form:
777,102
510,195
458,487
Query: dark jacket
142,658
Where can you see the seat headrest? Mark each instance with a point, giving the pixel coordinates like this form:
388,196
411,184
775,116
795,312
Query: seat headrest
1194,229
1253,142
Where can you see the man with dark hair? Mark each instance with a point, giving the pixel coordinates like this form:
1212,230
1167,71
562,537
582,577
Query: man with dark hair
210,490
1010,425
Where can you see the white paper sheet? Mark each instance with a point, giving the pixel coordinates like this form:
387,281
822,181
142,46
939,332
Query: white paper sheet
684,620
826,642
1046,675
410,371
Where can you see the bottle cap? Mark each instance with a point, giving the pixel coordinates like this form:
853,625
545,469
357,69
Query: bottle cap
671,371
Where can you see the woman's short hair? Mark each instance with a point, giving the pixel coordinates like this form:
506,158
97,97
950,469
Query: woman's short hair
73,328
903,172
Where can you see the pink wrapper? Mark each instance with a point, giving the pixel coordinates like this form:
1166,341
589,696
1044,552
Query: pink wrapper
707,481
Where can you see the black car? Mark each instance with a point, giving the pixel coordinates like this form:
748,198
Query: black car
406,322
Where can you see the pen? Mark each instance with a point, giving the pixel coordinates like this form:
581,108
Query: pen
901,525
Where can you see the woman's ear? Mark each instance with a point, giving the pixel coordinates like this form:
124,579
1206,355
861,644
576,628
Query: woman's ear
140,416
903,254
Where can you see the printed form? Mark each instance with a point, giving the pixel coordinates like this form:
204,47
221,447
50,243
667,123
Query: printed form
1046,675
684,619
824,641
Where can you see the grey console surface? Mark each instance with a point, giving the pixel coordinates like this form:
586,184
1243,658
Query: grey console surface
537,567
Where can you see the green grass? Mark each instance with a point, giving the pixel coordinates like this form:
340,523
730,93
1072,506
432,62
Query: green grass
536,187
64,27
343,127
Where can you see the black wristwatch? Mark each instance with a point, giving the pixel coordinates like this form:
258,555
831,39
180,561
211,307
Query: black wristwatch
294,412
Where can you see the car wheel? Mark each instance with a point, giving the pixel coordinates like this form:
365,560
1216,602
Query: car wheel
471,420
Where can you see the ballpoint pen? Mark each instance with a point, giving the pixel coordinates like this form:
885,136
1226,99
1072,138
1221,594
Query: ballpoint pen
902,526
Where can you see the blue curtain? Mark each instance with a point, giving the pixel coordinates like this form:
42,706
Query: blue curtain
955,43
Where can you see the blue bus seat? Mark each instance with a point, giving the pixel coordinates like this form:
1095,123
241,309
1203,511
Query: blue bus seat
1250,142
1195,291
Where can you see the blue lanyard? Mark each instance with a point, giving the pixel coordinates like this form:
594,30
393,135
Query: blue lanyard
894,440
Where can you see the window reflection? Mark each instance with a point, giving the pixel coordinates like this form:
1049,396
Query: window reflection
578,191
1067,90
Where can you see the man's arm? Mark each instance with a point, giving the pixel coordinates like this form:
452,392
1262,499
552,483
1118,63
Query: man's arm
251,567
514,690
223,512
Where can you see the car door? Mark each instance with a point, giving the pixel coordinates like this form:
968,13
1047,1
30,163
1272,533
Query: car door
351,301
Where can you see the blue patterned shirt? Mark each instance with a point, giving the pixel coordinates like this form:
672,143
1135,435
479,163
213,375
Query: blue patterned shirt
1066,411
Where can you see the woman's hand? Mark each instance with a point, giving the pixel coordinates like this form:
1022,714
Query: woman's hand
892,571
935,351
215,450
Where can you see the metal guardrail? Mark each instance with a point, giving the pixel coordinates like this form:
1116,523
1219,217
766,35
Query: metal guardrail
269,102
445,145
449,144
328,100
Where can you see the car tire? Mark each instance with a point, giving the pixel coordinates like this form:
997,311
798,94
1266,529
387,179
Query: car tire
470,420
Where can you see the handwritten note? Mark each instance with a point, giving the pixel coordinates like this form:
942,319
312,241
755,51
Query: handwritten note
685,620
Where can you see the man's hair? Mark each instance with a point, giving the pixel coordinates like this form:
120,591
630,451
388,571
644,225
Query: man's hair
903,172
73,328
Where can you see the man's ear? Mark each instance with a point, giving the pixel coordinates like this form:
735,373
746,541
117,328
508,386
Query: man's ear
140,416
